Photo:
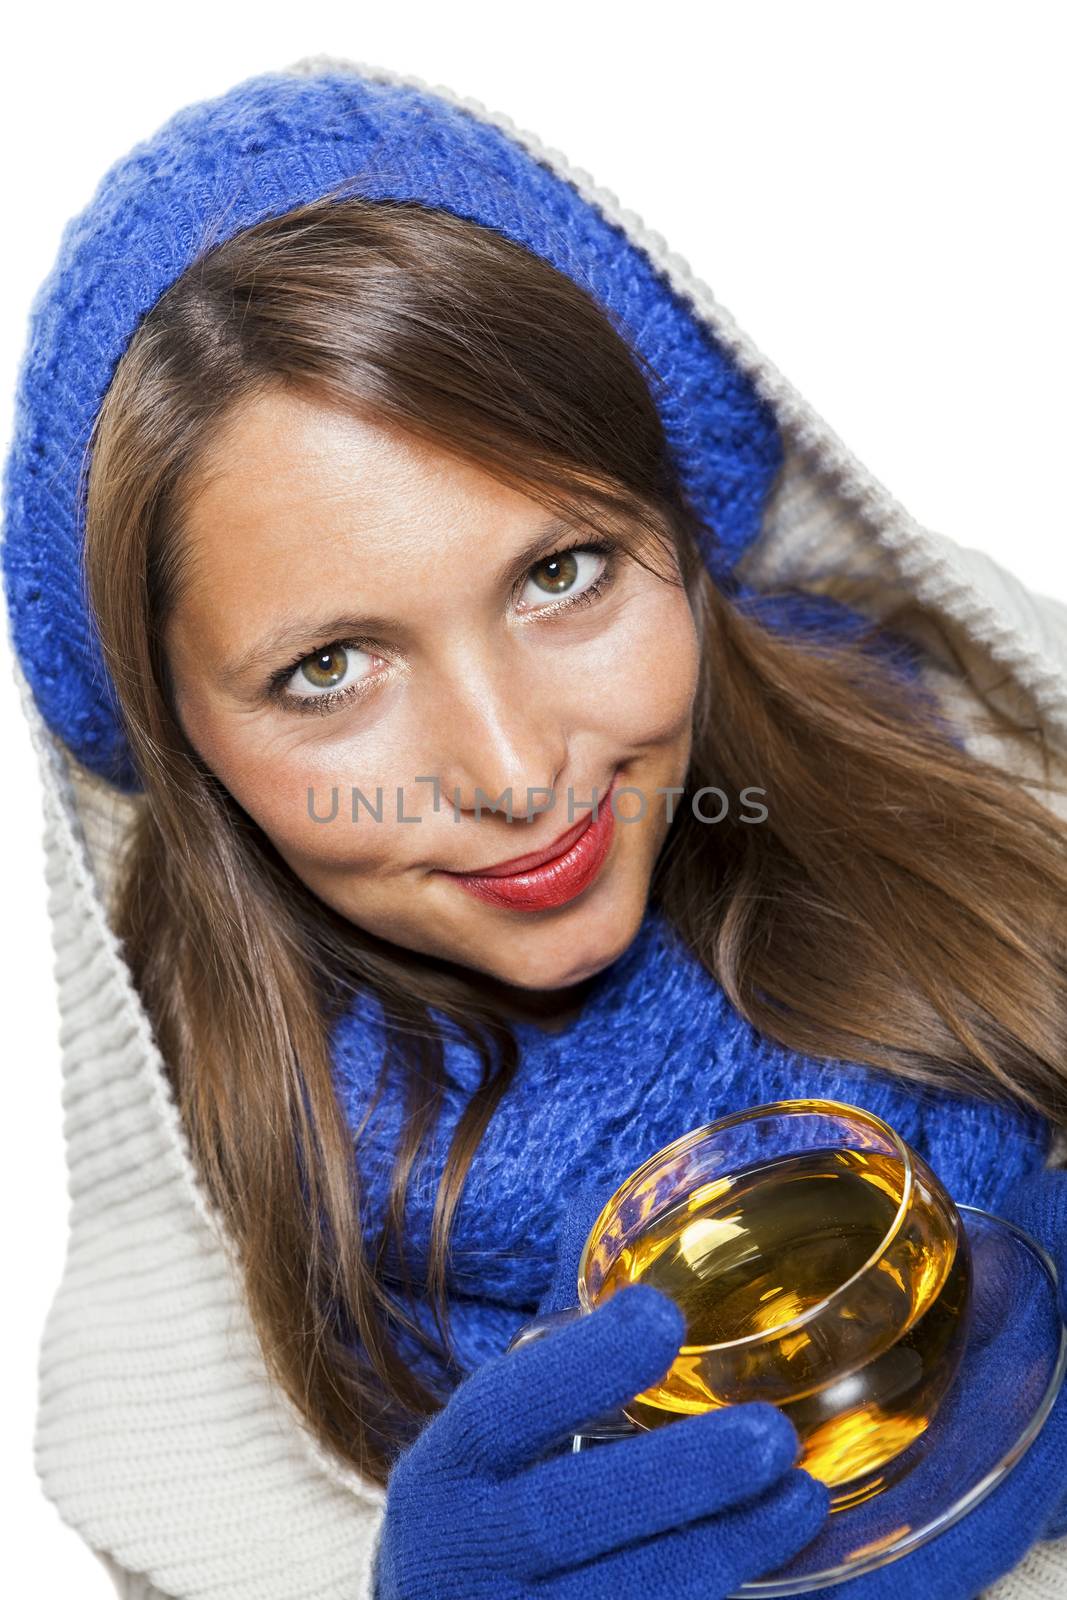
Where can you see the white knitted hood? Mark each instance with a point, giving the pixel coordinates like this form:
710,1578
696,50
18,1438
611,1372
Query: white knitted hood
158,1435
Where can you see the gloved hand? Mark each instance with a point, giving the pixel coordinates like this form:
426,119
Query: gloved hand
1030,1503
489,1502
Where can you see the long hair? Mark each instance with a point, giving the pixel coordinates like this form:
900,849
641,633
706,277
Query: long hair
901,905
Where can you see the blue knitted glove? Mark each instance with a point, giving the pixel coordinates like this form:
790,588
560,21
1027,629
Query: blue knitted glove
489,1502
1031,1502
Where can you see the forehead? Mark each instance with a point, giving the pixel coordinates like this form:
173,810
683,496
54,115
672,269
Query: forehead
286,476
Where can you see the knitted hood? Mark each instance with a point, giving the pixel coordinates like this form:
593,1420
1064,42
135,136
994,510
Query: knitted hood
159,1436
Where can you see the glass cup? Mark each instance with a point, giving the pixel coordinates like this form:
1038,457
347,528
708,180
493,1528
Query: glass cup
820,1265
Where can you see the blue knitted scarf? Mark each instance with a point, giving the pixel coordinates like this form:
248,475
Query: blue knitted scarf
657,1050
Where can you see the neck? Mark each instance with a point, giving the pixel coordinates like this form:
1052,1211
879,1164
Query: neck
549,1009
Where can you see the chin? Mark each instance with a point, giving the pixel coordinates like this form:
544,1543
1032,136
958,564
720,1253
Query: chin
561,956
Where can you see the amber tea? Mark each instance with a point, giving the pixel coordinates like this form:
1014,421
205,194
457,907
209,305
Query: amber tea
752,1253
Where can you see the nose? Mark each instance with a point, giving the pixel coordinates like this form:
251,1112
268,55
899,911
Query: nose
498,728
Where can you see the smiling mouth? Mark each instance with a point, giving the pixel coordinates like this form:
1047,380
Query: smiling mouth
562,872
551,852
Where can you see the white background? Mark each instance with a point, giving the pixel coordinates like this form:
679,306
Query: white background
875,192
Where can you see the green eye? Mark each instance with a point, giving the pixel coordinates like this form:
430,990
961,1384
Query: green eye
326,669
568,574
559,572
319,680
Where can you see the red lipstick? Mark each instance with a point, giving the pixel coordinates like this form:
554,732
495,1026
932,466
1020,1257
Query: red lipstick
554,875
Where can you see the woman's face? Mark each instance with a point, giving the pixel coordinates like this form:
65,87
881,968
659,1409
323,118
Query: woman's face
369,616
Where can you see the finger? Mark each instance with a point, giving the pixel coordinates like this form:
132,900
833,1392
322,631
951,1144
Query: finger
711,1557
577,1224
576,1507
515,1406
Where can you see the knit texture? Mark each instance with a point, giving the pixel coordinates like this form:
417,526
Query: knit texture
159,1436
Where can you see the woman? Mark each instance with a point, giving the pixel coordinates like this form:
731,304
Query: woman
346,399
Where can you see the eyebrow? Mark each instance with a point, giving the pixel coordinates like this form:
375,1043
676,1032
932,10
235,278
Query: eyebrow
282,644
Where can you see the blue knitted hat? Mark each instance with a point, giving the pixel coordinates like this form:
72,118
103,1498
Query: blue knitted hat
272,143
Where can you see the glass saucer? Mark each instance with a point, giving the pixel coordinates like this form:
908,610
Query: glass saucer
1017,1326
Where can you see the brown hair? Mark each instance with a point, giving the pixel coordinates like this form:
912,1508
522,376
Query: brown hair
900,906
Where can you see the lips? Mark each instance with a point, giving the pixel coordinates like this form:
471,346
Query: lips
536,858
554,875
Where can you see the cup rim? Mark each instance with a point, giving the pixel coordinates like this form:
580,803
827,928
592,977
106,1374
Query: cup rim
797,1107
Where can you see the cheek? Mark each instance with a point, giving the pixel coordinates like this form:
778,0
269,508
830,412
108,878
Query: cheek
304,803
296,785
645,670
